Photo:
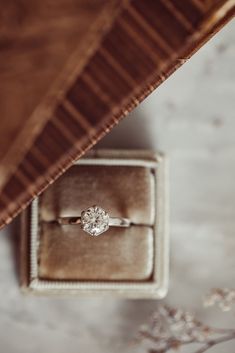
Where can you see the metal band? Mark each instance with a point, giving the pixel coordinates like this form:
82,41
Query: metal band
119,222
69,220
113,221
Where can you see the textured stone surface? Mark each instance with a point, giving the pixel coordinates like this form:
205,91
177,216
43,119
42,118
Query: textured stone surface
191,117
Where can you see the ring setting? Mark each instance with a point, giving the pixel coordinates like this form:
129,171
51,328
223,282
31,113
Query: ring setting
95,221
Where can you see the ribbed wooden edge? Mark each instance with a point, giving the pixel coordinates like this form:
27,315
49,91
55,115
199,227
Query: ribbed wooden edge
147,42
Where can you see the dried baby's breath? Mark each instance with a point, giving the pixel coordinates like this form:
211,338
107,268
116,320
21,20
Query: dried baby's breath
170,328
224,298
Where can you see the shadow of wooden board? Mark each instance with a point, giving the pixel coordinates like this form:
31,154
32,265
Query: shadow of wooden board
130,48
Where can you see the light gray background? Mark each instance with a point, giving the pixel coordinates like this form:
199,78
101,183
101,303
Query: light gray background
191,117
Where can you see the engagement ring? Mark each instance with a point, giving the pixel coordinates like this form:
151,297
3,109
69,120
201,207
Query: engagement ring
95,221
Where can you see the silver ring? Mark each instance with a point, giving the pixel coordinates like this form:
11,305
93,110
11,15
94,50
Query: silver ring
95,221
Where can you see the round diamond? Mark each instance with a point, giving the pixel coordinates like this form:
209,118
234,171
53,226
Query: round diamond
95,220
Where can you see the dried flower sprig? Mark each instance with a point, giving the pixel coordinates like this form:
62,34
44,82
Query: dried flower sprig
223,297
170,329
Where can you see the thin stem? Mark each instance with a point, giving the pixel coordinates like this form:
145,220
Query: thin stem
222,331
214,342
149,336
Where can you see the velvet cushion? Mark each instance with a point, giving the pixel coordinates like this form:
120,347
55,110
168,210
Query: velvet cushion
67,253
124,191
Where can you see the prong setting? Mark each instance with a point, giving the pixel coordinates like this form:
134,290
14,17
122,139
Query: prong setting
95,220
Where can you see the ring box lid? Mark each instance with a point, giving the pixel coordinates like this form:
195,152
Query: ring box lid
123,57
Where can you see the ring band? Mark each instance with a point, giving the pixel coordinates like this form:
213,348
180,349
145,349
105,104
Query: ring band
95,221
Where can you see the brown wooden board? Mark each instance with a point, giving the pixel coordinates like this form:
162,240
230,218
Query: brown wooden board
41,42
138,50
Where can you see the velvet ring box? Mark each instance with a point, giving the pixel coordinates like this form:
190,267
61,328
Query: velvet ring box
130,262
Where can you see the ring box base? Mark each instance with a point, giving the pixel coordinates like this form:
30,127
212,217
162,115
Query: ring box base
126,262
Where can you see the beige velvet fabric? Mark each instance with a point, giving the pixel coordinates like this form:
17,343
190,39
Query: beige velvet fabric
123,191
67,253
120,254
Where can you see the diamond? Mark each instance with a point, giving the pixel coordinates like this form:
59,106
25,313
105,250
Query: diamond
95,220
